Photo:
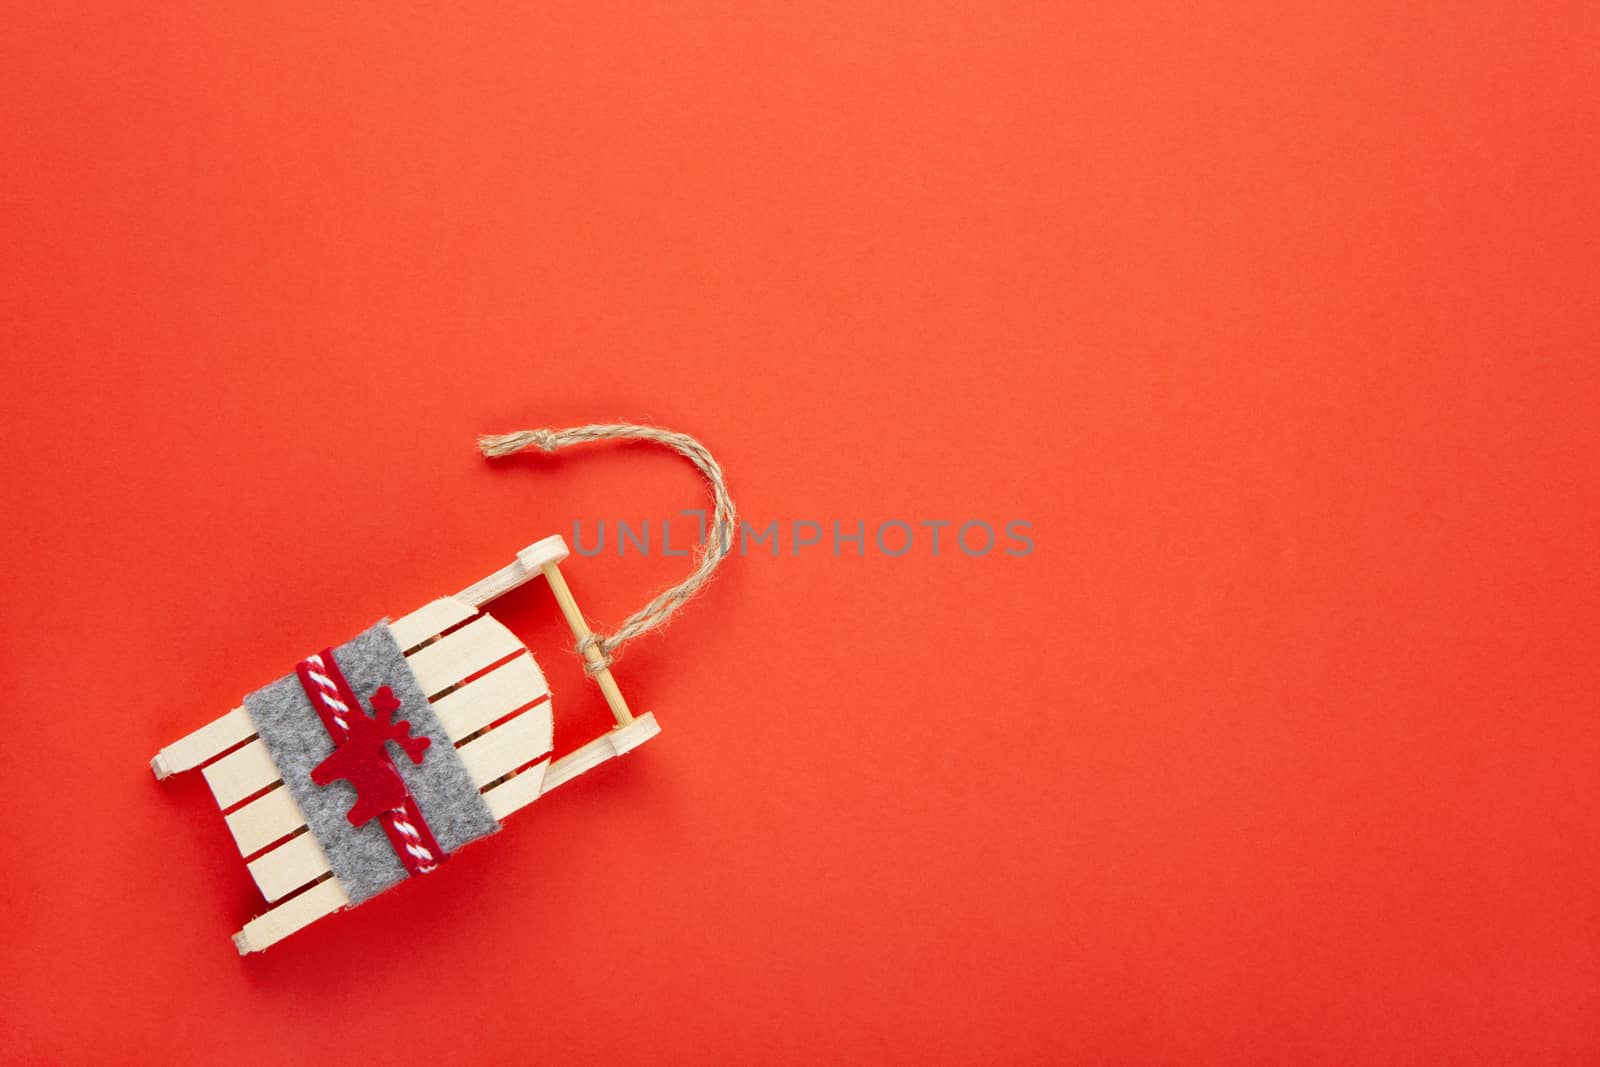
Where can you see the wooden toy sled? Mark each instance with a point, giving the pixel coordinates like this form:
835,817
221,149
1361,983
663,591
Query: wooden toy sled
492,701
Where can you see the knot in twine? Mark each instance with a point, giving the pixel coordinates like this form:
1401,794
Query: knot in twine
707,556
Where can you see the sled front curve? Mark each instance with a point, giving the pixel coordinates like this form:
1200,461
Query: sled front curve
492,701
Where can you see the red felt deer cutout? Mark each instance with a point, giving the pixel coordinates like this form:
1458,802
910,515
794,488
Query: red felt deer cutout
363,759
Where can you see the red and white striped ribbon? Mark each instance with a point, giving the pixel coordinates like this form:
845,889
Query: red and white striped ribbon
325,696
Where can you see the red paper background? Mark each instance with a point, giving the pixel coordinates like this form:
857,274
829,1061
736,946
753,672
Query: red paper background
1278,325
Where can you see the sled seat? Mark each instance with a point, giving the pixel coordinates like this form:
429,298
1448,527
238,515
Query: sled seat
491,699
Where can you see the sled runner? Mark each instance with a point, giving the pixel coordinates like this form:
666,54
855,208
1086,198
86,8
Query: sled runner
489,697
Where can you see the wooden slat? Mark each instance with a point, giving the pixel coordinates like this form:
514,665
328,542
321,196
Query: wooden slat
430,620
289,866
517,792
264,820
505,748
290,916
462,654
240,773
214,737
512,685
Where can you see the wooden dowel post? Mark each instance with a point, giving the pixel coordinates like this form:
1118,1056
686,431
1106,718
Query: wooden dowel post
580,630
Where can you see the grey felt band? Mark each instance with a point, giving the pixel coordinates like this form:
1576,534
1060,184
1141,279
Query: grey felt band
361,857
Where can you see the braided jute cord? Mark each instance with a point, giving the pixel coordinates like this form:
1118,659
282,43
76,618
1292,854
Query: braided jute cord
708,555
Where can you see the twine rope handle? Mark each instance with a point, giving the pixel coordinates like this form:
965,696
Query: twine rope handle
708,554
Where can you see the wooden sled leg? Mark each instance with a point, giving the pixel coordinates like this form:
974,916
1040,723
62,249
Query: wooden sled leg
296,913
210,740
607,746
